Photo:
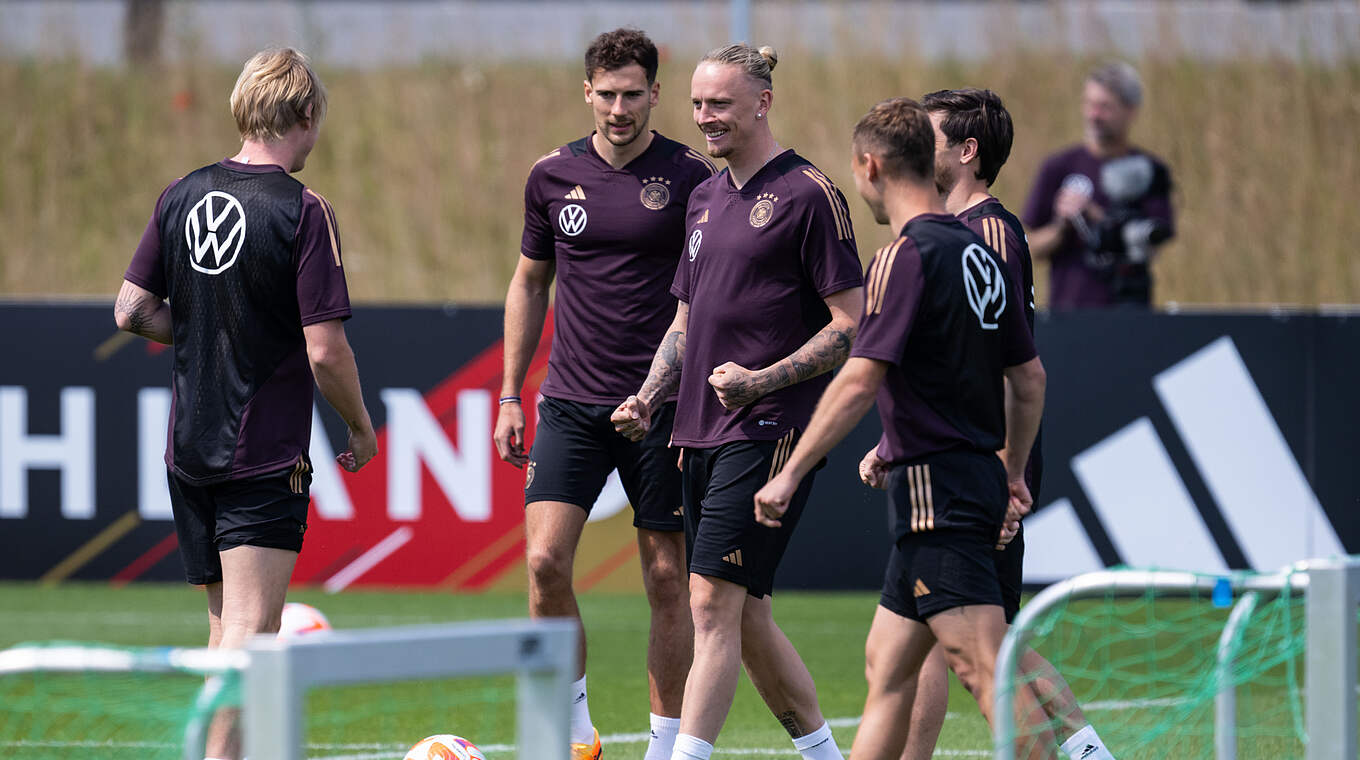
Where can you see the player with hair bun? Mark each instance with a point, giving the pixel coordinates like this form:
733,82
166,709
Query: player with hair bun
772,279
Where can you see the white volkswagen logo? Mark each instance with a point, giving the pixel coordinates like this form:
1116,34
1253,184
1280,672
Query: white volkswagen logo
985,286
695,240
572,219
217,223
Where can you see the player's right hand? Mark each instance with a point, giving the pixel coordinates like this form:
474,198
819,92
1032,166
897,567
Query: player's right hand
632,418
1017,506
362,448
509,434
873,471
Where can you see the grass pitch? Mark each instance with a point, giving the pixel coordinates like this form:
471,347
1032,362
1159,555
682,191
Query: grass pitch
381,721
1141,687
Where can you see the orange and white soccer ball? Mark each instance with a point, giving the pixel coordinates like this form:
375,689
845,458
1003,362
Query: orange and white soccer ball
300,619
445,747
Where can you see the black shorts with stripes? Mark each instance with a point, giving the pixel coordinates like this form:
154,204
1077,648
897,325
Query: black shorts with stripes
721,533
267,510
949,508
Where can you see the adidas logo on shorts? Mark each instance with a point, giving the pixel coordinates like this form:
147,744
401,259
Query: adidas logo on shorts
734,558
920,589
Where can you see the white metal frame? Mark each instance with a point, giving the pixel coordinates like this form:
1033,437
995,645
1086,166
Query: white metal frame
1332,589
541,653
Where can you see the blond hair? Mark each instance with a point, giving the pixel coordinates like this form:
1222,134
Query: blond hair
273,92
757,63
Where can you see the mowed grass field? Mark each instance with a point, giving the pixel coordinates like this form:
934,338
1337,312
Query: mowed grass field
382,721
1143,710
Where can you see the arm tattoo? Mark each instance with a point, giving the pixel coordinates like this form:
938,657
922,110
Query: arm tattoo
823,352
664,377
132,306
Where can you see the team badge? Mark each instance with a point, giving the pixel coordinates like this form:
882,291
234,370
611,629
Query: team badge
984,285
763,211
696,239
529,475
572,219
656,193
216,223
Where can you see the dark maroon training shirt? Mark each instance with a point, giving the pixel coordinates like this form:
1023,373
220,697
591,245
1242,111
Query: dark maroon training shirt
759,261
940,307
246,256
615,235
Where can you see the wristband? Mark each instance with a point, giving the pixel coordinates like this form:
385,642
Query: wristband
508,399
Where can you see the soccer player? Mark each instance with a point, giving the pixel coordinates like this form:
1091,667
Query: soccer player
772,279
940,329
973,135
605,215
249,261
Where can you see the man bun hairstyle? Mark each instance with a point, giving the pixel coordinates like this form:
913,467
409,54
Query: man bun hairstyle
978,114
619,48
756,62
898,133
273,93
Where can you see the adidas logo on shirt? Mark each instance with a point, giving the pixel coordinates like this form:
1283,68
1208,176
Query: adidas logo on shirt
576,194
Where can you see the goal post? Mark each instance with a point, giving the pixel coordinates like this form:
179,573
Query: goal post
1218,634
541,654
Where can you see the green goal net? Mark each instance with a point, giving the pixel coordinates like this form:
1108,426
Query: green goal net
1173,665
64,699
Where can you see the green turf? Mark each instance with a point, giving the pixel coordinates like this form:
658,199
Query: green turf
378,721
827,629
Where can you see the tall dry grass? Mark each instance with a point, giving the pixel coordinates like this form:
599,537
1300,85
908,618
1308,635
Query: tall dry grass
425,166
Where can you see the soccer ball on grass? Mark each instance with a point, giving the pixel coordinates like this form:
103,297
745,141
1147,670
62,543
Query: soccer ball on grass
444,747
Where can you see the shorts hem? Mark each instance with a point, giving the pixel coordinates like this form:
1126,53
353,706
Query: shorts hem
558,498
730,576
670,527
263,542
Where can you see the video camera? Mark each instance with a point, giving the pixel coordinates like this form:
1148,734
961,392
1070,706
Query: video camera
1121,244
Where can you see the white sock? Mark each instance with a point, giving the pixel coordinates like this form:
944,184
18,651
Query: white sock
582,730
691,748
818,745
1086,745
662,742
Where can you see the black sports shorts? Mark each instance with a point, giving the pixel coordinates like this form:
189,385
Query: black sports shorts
949,508
576,447
267,510
721,533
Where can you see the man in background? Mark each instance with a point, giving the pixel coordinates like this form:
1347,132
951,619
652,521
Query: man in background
1099,210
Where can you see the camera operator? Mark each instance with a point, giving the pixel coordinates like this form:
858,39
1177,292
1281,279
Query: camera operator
1099,210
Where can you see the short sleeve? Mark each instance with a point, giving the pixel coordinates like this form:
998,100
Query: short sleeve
893,289
684,275
147,270
830,257
321,290
539,242
1017,343
1039,205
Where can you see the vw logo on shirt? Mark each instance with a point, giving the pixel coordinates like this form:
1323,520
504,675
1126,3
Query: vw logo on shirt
572,219
984,286
217,223
695,240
